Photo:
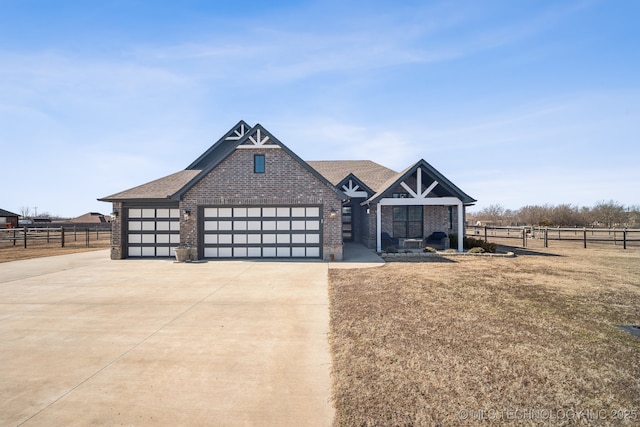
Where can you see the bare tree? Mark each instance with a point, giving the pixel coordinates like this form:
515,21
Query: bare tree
25,211
610,213
492,213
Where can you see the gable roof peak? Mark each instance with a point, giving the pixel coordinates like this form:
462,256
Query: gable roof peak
235,134
432,172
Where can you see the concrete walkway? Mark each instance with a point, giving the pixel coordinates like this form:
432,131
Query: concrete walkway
89,341
356,255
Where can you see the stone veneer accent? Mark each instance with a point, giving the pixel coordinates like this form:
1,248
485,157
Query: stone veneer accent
117,240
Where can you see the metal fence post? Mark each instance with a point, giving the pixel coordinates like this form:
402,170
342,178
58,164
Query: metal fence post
87,233
24,231
14,237
584,238
624,238
62,237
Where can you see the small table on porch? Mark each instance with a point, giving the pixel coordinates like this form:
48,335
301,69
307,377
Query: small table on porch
411,243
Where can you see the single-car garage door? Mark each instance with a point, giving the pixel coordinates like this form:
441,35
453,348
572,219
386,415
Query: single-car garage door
262,232
153,232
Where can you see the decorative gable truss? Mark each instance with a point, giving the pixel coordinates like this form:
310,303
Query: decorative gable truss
449,195
238,132
353,188
419,194
258,138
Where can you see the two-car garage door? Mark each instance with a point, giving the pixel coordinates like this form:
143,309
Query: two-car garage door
261,232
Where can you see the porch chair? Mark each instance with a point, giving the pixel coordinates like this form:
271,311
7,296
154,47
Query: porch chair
387,240
437,240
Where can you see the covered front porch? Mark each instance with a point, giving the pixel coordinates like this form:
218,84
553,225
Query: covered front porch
416,205
414,223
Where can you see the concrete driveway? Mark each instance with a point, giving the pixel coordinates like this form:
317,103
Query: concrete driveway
89,341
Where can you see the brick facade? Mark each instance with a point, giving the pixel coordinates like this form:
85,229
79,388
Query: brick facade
285,182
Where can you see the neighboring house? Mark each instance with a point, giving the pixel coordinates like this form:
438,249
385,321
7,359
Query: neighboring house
249,196
91,218
8,219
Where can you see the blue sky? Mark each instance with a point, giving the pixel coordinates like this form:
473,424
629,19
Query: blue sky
517,102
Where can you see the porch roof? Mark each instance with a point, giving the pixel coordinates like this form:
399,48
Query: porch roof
444,187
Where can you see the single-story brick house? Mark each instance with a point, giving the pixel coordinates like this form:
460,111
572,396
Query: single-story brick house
8,219
249,196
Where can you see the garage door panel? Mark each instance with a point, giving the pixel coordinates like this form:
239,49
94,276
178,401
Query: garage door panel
162,251
298,252
268,238
211,252
254,252
224,252
152,232
148,238
269,231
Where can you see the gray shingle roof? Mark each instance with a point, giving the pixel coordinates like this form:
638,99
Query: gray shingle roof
162,188
7,213
376,177
372,174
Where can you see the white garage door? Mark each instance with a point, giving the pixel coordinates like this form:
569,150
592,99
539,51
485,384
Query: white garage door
153,232
262,232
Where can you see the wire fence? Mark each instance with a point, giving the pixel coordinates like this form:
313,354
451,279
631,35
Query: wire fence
550,236
27,237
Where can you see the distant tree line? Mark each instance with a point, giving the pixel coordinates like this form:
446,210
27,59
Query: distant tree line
602,214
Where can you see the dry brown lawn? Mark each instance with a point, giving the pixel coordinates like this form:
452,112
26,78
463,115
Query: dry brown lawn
38,249
522,340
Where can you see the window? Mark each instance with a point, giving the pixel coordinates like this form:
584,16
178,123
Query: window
407,222
258,163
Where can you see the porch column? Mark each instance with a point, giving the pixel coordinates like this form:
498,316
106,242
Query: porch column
460,226
379,226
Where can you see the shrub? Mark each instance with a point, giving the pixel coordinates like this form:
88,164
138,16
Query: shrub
476,250
428,249
470,243
391,250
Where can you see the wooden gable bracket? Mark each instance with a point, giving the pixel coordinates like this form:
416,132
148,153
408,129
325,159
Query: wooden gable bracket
352,190
419,194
